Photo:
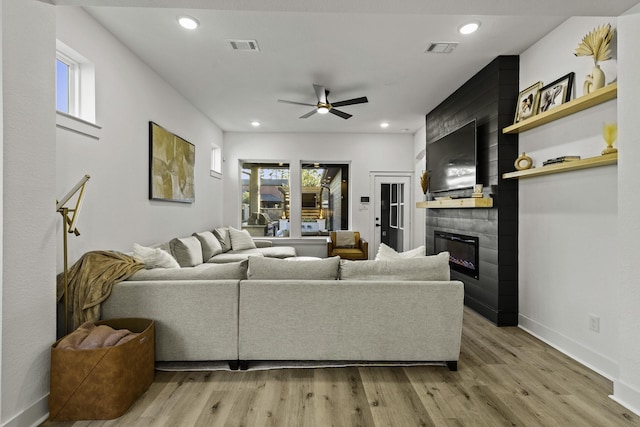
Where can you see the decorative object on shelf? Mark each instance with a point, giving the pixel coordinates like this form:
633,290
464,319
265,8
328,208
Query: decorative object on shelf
69,227
610,134
424,181
556,93
523,162
560,159
477,190
527,104
596,44
171,168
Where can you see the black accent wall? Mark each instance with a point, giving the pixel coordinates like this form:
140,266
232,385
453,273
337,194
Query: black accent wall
490,97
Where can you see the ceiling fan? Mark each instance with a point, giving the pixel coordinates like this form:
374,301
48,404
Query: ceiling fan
324,106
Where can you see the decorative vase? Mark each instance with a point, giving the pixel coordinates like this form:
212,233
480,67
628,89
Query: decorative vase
523,162
609,133
594,81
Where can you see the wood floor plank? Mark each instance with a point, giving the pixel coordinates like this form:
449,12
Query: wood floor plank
506,377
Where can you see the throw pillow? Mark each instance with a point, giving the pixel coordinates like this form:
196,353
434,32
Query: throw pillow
264,268
154,257
427,268
222,234
388,253
240,239
345,239
210,245
187,251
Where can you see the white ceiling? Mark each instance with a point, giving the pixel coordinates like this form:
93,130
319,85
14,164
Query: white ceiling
353,48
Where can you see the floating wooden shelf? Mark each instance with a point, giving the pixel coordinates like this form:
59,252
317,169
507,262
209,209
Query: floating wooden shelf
471,202
591,162
607,93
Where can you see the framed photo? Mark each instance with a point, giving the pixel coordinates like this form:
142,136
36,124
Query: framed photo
556,93
171,166
527,104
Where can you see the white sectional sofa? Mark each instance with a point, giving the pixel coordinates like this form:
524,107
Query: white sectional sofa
313,309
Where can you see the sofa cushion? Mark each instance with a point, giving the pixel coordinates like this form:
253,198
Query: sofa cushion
210,245
263,268
278,251
222,234
240,240
233,256
187,251
388,253
154,257
435,267
228,271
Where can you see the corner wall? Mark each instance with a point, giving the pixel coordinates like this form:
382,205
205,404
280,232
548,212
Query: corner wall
28,216
627,385
568,222
117,211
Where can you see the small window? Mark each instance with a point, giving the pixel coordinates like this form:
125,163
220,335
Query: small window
216,161
75,92
63,85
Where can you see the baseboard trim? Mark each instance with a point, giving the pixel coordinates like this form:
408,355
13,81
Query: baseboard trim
603,365
33,416
627,396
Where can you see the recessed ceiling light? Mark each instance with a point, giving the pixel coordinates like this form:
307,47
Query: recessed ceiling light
384,125
255,123
469,28
188,22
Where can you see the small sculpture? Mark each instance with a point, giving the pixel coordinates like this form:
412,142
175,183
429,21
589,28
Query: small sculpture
523,162
596,44
609,133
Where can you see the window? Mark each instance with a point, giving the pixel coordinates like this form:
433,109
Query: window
325,198
216,161
265,199
75,92
64,71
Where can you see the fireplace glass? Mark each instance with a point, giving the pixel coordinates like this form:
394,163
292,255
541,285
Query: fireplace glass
463,251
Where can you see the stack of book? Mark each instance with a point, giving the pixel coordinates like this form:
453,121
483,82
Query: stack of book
560,159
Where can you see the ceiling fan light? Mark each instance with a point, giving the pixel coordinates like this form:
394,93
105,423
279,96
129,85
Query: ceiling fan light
323,110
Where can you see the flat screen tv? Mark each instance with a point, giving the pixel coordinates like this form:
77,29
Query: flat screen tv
451,160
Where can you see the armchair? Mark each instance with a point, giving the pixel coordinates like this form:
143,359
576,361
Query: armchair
347,245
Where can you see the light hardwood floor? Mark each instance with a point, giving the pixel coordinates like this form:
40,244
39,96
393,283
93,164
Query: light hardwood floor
505,378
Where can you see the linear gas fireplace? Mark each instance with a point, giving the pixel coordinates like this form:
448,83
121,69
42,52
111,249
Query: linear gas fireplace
463,251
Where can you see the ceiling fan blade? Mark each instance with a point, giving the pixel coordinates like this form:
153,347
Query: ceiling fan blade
309,114
340,113
296,103
360,100
321,94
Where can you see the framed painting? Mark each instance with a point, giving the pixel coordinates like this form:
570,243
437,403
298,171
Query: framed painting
171,166
556,93
527,104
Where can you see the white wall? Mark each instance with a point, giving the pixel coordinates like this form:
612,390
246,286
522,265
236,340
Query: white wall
28,219
364,152
568,222
117,211
627,385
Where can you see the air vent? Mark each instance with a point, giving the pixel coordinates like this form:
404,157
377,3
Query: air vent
244,45
441,47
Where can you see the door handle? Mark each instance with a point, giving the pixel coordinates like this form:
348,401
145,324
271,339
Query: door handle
378,225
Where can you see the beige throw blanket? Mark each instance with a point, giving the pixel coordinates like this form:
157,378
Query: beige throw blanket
91,279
